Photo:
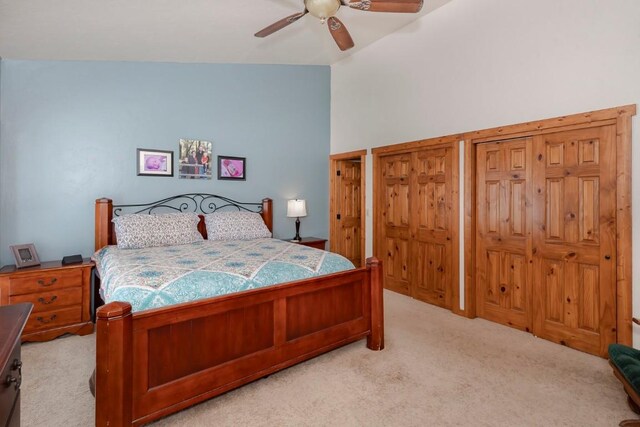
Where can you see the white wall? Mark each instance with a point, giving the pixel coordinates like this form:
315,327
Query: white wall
476,64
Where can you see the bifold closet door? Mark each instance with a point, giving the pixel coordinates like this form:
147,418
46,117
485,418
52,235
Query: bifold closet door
575,238
503,232
546,236
395,202
416,241
431,224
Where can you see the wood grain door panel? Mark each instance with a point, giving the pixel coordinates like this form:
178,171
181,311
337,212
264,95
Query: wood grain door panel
545,236
575,238
395,221
348,240
503,233
431,225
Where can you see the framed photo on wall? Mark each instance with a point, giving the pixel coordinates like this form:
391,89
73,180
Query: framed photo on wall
154,162
25,255
195,159
233,168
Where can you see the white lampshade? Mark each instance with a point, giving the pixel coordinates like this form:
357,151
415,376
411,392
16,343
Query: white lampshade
322,9
296,208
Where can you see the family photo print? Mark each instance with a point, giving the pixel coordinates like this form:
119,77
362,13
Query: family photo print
195,159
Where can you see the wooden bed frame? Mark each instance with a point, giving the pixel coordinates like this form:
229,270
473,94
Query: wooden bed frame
156,362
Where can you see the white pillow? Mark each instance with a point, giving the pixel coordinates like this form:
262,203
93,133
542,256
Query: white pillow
135,231
235,226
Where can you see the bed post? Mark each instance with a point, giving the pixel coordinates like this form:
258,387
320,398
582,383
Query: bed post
103,216
114,365
375,341
267,213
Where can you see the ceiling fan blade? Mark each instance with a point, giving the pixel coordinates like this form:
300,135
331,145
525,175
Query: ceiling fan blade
280,24
397,6
339,33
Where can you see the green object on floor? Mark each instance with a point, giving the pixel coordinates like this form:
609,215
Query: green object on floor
627,360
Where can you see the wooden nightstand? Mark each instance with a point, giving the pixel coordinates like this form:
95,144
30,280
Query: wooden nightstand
60,294
314,242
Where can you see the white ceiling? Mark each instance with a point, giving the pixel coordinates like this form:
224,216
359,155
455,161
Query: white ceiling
217,31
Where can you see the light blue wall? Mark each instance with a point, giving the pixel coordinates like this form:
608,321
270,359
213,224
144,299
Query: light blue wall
69,133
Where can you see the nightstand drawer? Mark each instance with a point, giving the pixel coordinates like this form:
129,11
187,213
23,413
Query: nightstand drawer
45,281
53,319
45,301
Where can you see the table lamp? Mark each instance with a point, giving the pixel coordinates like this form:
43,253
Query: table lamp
295,209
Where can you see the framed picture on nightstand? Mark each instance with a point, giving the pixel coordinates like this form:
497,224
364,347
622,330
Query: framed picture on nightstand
25,255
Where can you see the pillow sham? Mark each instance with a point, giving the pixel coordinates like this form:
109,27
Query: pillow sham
235,226
136,231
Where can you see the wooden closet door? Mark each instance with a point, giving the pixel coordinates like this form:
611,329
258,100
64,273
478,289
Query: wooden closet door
503,232
575,238
395,201
431,221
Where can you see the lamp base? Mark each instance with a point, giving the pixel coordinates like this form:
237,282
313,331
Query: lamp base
297,238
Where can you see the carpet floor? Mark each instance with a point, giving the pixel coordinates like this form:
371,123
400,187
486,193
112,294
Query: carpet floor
438,369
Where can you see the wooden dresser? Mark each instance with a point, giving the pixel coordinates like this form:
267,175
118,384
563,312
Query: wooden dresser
12,321
60,294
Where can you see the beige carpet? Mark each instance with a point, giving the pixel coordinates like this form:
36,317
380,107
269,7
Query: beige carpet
438,369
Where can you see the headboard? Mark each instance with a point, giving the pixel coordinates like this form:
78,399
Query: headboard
200,203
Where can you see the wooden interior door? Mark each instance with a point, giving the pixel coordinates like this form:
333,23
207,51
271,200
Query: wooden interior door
503,232
431,225
575,238
395,202
348,237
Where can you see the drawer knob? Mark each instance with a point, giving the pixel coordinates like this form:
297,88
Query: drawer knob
42,300
16,366
45,321
13,380
51,282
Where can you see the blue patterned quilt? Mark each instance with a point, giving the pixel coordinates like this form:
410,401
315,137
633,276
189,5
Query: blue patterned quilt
156,277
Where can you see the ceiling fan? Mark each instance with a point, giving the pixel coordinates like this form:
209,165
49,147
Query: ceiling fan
325,10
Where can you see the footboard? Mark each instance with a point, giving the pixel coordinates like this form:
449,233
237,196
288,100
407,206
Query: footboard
157,362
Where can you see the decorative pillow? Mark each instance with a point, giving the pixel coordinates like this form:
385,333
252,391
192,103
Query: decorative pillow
235,226
137,231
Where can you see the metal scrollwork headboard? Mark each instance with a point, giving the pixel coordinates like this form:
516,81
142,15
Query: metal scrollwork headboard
200,203
191,202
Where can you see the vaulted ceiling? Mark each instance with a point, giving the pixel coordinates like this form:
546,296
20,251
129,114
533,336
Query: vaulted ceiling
213,31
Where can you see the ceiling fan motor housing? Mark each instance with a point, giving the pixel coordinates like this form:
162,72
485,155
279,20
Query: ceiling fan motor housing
322,9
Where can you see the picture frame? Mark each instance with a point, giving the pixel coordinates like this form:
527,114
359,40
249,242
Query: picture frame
152,162
25,255
195,159
232,168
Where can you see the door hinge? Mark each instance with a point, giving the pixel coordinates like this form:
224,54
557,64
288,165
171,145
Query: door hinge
338,172
338,216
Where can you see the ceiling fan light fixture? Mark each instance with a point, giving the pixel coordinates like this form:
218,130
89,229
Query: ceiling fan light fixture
322,9
325,11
